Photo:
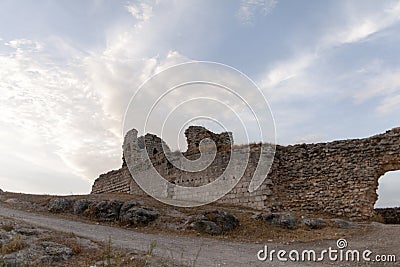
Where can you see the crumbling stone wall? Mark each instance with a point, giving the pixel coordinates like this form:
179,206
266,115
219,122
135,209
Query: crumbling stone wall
116,181
389,215
195,134
337,178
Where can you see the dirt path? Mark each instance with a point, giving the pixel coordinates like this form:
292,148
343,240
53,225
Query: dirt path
384,239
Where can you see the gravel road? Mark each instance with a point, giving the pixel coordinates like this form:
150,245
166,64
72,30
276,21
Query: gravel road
383,239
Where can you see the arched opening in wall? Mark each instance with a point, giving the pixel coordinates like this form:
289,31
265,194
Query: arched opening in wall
388,203
388,190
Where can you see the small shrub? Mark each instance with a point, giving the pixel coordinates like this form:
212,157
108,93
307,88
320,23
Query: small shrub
76,249
2,262
152,246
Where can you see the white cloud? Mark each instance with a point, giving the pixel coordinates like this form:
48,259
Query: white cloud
72,110
286,70
141,11
172,58
71,103
291,82
389,104
383,84
21,45
299,68
360,27
250,8
51,104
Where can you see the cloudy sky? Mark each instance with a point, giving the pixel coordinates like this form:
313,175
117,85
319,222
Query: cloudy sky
329,69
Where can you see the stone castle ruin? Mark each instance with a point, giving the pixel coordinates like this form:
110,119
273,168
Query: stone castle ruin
338,178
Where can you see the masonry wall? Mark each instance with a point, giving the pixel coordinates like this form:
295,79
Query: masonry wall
116,181
389,215
337,178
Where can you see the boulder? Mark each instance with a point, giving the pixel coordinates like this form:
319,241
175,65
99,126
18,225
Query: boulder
314,223
267,216
213,222
342,223
206,226
29,231
12,201
44,254
257,216
225,220
55,252
105,210
60,205
81,205
133,215
127,205
285,220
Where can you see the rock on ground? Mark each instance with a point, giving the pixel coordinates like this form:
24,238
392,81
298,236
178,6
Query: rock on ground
60,205
127,205
133,215
206,226
81,205
314,223
342,223
106,210
214,222
280,219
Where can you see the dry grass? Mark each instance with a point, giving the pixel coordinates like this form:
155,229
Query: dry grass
7,227
16,244
259,231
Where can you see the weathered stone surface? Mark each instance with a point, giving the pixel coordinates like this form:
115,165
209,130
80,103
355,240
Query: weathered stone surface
106,210
225,220
257,216
265,216
22,244
29,231
44,253
285,220
314,223
12,201
138,215
206,226
116,181
128,205
390,215
342,223
81,206
213,222
337,179
60,205
1,191
195,134
55,252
